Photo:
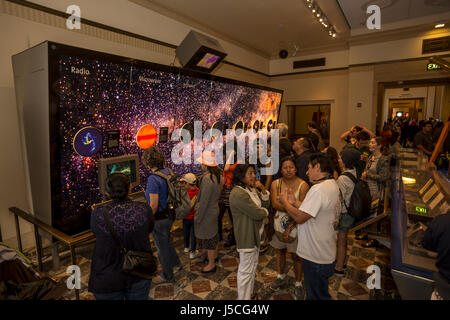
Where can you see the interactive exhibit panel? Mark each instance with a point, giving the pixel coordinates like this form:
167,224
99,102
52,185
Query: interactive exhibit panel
85,114
419,195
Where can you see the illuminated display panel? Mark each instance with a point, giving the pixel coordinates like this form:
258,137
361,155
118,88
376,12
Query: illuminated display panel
208,61
117,94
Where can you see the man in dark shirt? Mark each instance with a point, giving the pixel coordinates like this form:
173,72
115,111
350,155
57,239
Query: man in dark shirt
362,145
302,148
437,239
424,139
285,147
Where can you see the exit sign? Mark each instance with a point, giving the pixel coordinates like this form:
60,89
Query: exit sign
433,66
421,210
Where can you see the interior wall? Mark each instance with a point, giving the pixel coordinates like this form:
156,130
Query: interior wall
21,28
361,109
318,88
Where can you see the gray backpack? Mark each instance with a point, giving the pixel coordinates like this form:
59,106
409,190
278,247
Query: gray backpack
178,201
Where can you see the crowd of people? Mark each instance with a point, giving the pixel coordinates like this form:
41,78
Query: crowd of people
301,210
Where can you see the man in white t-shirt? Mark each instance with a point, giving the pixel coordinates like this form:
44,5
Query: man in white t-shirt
317,219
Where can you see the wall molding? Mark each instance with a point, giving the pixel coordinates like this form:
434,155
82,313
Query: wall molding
41,14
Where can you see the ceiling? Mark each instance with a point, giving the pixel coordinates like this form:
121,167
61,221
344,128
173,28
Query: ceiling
392,10
267,26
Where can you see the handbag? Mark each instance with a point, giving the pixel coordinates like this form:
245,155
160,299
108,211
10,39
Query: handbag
280,223
140,264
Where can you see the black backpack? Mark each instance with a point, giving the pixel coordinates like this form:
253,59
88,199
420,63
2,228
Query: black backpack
360,201
178,200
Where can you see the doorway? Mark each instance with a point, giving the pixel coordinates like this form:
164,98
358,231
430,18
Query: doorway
300,115
413,108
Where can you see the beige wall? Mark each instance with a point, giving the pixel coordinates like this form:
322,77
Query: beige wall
318,88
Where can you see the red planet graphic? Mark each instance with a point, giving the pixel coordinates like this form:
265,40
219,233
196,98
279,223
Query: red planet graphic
146,136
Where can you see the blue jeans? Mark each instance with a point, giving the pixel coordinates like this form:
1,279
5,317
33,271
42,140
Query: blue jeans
316,279
166,252
189,235
138,291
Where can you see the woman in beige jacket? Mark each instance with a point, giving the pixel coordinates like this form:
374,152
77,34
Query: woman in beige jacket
249,208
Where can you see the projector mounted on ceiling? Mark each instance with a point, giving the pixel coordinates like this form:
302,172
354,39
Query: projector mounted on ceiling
199,52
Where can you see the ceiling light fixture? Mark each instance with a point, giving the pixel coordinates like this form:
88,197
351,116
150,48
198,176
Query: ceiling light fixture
440,25
321,17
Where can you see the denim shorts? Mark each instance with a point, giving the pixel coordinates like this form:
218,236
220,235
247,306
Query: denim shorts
346,222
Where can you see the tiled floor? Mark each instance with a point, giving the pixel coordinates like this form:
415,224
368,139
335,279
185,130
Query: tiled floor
191,284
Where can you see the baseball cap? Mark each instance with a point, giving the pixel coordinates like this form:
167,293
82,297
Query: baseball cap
189,178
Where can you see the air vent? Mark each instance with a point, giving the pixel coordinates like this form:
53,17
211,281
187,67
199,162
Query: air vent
309,63
436,45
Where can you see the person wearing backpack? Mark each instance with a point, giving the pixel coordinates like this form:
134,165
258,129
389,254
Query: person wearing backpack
349,159
157,194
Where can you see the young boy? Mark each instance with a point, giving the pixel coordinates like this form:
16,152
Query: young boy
189,180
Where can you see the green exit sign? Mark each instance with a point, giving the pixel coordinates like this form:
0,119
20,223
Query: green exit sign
433,66
421,210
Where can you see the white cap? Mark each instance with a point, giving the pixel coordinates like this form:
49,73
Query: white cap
189,178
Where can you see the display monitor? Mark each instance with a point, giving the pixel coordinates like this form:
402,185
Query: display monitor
208,60
127,164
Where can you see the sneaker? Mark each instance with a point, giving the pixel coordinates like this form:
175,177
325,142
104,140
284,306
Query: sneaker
277,284
193,255
186,250
299,293
160,279
339,273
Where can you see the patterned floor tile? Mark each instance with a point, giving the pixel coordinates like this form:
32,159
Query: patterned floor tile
165,291
266,276
353,288
222,293
222,284
230,281
229,262
360,263
201,287
283,296
363,253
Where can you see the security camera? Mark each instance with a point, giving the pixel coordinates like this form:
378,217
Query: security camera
283,54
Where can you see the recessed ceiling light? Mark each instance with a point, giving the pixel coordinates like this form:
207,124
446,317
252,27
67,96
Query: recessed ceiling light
440,25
